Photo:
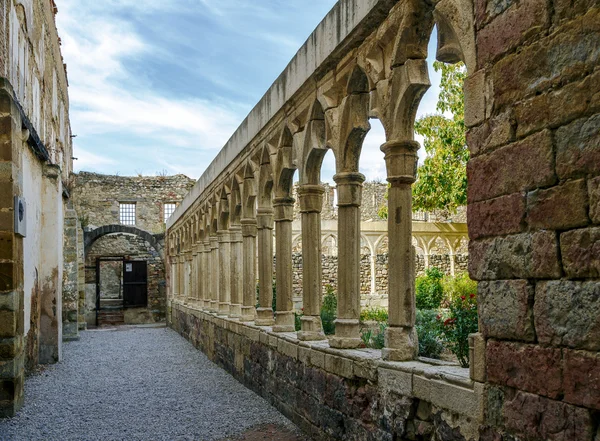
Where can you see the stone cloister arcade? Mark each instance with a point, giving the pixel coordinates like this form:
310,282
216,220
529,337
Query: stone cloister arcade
227,231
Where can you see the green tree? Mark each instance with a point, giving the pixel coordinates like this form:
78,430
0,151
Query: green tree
442,179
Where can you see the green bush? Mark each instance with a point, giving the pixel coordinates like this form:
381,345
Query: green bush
375,340
456,326
429,289
457,286
428,331
329,310
374,314
297,322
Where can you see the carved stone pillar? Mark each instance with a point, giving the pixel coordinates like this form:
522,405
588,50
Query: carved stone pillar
249,232
311,204
199,275
173,277
347,332
207,277
224,272
235,310
194,276
284,216
189,260
401,336
214,272
264,221
182,279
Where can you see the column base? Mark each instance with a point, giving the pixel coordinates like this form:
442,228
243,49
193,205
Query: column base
214,306
264,317
347,334
311,328
284,322
248,314
401,344
224,308
235,311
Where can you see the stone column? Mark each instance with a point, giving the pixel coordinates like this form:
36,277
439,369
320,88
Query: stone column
401,336
214,272
249,232
349,189
373,273
207,274
236,271
187,278
180,277
264,221
224,272
284,216
311,204
194,276
199,275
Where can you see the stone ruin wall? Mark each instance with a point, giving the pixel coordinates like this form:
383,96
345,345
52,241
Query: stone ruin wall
133,248
97,196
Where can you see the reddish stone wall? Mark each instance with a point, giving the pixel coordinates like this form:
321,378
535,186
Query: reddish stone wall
534,215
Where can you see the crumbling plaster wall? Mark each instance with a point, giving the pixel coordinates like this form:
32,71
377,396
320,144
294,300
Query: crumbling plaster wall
35,160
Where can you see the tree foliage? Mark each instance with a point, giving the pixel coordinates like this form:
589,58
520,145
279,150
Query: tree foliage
442,179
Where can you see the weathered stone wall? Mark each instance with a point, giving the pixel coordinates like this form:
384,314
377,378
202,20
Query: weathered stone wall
35,160
133,248
97,197
533,215
379,296
339,394
71,276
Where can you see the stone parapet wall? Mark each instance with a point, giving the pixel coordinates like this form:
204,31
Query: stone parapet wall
336,394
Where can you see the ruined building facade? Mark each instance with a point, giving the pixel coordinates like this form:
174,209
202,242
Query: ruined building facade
123,219
532,118
35,163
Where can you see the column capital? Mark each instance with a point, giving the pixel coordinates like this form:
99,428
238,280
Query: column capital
284,209
264,218
311,198
249,228
349,186
224,236
401,161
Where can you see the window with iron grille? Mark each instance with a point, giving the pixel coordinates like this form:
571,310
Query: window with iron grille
127,213
169,210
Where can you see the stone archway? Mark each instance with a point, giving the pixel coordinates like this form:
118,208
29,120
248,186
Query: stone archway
89,237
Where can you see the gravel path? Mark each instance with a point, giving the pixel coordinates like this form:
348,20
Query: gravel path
136,384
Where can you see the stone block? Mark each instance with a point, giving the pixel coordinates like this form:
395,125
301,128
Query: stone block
477,357
6,276
494,132
581,378
365,369
421,388
10,347
8,324
567,313
317,359
560,207
526,367
395,381
6,246
9,301
539,418
558,106
456,399
495,217
505,309
580,250
474,92
12,368
594,196
508,29
578,148
339,366
522,256
564,56
288,349
507,170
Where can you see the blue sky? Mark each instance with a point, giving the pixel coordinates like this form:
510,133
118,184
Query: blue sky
160,85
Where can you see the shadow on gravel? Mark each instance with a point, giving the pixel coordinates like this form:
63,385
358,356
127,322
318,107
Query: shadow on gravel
269,432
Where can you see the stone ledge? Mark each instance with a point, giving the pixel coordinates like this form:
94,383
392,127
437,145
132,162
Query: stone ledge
445,386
